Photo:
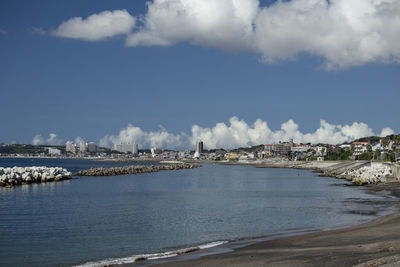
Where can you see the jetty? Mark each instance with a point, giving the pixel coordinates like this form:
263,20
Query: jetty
135,169
28,175
358,172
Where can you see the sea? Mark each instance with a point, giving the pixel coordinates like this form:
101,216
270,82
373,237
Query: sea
97,221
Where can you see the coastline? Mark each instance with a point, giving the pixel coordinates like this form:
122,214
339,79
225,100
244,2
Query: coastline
226,249
373,243
369,244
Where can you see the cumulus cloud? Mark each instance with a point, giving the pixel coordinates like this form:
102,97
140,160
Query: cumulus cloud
132,134
344,33
238,133
79,140
97,26
224,24
386,131
51,140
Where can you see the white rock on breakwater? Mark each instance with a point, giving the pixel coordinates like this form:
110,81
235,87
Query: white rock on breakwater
26,175
373,174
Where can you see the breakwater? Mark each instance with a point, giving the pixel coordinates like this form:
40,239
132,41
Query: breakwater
28,175
135,169
358,172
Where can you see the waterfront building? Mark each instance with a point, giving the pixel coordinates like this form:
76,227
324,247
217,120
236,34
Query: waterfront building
83,147
70,147
54,151
199,147
269,147
135,149
283,149
232,156
360,148
300,148
126,148
153,152
92,147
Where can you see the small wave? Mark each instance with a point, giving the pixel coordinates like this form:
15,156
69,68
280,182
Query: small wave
154,256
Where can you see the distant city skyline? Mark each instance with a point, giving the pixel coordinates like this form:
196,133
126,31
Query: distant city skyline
230,73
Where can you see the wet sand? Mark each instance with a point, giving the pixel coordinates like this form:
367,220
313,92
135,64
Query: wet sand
373,244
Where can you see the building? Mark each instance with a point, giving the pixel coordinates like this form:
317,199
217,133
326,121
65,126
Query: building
283,149
153,152
70,147
199,147
54,151
83,147
320,151
126,148
269,147
91,147
135,149
360,148
300,148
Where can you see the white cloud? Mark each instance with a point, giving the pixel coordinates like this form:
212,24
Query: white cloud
224,24
51,140
79,140
132,134
38,140
38,31
97,26
238,133
386,131
344,33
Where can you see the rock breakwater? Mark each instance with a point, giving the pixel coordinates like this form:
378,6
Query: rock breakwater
358,172
134,169
27,175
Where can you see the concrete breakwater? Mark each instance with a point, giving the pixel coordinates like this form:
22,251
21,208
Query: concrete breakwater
358,172
134,169
27,175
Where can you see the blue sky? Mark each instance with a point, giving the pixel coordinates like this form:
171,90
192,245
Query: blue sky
73,87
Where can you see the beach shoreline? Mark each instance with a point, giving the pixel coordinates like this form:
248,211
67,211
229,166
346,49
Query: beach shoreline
373,243
367,244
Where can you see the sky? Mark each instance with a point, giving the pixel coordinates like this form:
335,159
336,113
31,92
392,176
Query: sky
170,73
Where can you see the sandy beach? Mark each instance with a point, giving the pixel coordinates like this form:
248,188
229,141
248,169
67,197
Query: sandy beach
373,244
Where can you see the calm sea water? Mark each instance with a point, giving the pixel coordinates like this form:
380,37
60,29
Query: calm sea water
95,218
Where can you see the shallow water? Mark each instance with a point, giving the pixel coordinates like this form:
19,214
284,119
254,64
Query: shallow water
95,218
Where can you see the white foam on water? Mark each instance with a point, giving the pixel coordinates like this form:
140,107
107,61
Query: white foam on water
154,256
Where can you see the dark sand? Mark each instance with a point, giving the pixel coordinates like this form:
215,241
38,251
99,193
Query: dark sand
373,244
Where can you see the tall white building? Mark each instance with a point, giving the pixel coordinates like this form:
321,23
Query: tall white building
70,147
126,148
135,149
199,147
83,147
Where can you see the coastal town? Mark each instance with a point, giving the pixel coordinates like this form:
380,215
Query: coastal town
369,160
369,148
